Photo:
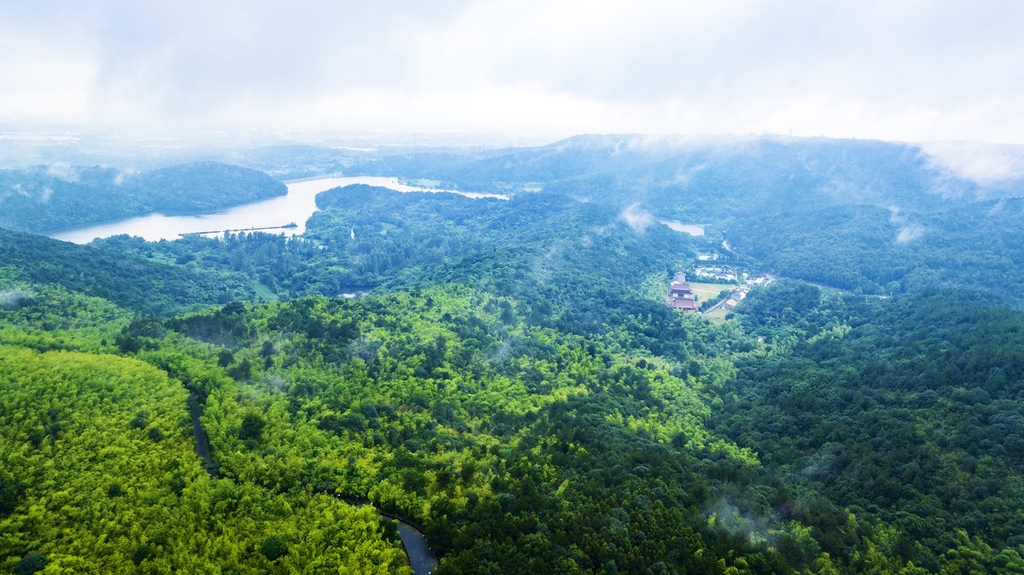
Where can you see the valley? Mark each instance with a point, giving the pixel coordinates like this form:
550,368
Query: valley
508,377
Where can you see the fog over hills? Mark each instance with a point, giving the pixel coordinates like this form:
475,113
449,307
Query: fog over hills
537,287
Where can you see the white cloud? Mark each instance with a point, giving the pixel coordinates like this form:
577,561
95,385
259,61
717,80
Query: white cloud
941,70
636,218
63,171
13,297
983,163
907,231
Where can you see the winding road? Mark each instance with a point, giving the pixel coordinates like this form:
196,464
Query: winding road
421,558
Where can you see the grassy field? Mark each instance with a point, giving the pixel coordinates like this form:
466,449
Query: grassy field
717,315
705,291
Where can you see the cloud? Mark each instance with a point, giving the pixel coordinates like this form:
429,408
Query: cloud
725,516
636,218
938,70
544,265
13,297
907,231
980,162
63,171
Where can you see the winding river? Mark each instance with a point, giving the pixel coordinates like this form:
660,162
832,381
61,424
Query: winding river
294,207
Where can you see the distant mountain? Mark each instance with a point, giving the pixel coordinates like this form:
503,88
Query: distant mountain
714,176
881,217
57,197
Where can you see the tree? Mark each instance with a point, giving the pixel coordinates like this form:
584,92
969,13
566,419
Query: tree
29,564
252,427
273,548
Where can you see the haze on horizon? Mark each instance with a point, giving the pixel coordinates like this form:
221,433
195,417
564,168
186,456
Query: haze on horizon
907,71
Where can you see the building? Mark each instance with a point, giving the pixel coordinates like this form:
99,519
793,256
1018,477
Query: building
683,304
718,273
680,296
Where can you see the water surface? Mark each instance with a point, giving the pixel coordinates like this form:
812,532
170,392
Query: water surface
692,229
293,208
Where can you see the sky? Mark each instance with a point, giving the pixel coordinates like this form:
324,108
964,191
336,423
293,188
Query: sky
917,71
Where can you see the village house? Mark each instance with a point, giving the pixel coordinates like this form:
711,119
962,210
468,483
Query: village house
719,273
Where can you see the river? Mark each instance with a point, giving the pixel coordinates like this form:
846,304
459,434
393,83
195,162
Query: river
294,207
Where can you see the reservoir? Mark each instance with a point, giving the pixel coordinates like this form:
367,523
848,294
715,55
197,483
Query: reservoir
294,207
693,230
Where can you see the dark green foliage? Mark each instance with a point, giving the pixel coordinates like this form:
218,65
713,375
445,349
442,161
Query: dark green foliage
389,530
907,417
225,358
242,371
204,187
10,493
47,200
225,327
142,553
273,548
133,283
29,564
139,421
252,427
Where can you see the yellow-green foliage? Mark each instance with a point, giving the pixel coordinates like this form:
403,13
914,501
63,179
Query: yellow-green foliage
95,488
101,449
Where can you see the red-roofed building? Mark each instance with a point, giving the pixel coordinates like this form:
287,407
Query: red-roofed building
680,290
683,304
680,296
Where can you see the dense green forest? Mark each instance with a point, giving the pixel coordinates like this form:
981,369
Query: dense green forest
877,217
50,198
509,380
149,287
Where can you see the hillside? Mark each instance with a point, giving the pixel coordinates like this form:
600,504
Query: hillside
138,284
51,198
506,376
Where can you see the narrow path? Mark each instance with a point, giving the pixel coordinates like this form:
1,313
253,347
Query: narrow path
202,441
421,558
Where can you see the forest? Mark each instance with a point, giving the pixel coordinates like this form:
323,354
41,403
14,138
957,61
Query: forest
505,375
44,199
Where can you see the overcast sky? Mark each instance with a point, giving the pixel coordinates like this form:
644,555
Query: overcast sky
894,70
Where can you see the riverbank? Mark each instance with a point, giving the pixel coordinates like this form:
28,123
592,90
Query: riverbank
296,206
262,229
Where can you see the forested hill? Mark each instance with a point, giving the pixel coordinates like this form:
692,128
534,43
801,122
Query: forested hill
506,375
56,197
877,217
720,177
862,435
146,287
